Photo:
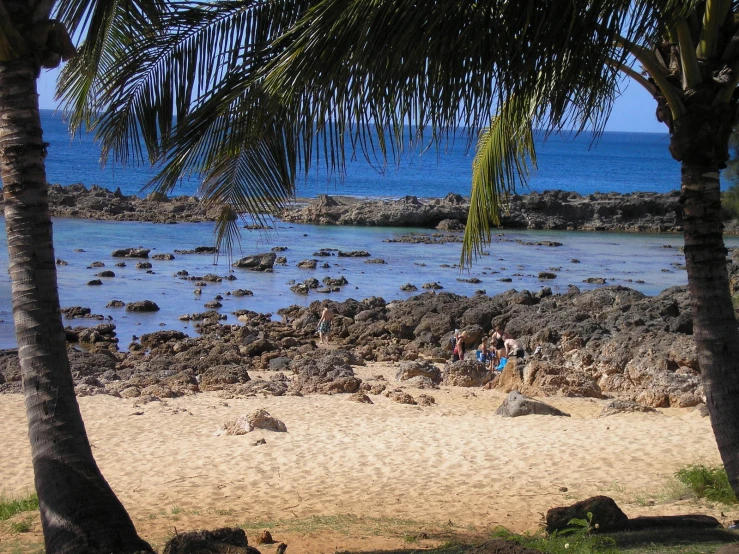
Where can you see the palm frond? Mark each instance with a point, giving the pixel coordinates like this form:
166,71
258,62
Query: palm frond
374,66
504,158
151,79
109,27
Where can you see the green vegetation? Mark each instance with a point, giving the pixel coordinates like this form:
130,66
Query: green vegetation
575,540
730,202
23,526
11,506
710,483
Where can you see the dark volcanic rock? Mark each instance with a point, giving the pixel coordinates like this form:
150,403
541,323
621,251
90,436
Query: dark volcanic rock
199,250
408,370
131,253
325,374
466,373
216,377
220,541
641,211
258,262
606,514
143,306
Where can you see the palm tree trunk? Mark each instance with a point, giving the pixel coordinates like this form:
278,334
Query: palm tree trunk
79,511
714,323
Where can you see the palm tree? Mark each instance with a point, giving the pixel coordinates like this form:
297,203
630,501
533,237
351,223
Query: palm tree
382,74
79,511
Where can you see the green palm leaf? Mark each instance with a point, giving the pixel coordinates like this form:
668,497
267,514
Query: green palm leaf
505,155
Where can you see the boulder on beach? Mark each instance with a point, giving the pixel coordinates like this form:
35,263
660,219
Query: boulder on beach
624,407
466,373
516,405
408,370
219,541
217,377
258,419
325,374
605,513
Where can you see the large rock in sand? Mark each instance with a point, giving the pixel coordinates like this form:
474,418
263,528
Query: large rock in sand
606,514
327,375
408,370
466,373
219,541
516,404
258,419
545,378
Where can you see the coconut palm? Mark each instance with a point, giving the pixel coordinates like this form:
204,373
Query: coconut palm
79,511
381,75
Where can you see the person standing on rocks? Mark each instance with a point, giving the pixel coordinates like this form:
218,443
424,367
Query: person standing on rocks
461,344
499,336
324,325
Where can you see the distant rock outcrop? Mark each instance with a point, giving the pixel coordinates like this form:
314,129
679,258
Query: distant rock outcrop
554,209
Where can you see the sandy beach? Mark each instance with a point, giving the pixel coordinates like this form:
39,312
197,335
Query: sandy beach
452,462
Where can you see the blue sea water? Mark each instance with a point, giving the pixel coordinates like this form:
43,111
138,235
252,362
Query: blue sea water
622,162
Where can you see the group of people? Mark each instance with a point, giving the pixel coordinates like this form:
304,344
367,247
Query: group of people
493,350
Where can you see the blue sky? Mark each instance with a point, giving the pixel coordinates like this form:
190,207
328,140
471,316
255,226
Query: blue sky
633,110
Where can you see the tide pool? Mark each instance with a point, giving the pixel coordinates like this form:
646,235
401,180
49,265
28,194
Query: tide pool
619,258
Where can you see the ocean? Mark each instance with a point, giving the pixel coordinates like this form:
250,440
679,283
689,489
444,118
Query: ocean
617,162
620,162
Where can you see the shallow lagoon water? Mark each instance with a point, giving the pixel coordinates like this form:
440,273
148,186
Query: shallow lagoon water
619,257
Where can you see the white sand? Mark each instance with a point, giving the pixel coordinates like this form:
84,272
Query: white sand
453,461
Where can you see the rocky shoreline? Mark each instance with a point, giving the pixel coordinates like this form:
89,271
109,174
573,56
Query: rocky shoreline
611,342
551,210
79,202
554,210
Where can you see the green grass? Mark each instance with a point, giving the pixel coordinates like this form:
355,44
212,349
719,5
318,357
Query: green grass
710,483
730,202
21,526
11,506
578,541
